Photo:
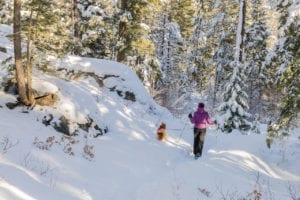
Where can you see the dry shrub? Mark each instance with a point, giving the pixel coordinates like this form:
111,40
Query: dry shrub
44,145
88,152
65,141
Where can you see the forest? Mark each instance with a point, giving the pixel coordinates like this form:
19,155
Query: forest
242,56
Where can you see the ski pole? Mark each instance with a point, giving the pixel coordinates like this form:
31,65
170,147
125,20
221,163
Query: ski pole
178,138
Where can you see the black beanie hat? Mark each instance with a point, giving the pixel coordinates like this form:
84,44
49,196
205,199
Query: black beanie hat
201,105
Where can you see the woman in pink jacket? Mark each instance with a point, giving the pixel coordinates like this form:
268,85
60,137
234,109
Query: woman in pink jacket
200,119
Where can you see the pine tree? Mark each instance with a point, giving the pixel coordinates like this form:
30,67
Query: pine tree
6,8
290,82
286,56
141,44
90,22
138,50
234,109
212,43
169,44
46,26
255,53
183,13
201,46
222,31
147,63
111,43
134,31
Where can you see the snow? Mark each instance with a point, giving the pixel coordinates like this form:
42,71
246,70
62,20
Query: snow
4,42
129,163
43,86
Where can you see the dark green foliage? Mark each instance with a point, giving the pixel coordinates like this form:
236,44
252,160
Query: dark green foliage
288,61
233,111
183,13
282,7
288,55
45,27
6,9
290,80
257,34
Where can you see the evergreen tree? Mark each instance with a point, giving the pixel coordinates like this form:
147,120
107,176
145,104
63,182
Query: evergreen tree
183,13
222,32
46,26
234,109
91,25
201,46
145,56
290,82
169,51
140,49
129,26
212,43
255,53
6,15
170,57
286,56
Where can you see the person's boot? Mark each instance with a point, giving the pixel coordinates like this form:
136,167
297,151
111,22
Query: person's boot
197,156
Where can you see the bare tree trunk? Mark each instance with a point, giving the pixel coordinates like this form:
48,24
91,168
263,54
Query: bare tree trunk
260,86
240,32
216,87
28,70
243,30
124,4
20,74
122,31
76,27
252,100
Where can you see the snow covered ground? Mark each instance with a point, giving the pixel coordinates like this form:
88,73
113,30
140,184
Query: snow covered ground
38,163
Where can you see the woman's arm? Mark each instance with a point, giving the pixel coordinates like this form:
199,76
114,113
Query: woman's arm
209,121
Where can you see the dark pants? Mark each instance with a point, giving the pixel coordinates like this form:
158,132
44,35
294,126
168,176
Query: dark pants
199,135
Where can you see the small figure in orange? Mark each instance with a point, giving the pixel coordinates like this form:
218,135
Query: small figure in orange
162,133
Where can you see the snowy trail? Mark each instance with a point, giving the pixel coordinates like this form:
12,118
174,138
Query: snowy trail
207,177
131,164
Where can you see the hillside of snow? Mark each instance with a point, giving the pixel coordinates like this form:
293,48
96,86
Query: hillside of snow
114,154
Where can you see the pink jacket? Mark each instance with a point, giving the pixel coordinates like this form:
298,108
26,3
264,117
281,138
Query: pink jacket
201,118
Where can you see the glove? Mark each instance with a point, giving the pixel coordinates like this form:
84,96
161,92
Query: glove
190,115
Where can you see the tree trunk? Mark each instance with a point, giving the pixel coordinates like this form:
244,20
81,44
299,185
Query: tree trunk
124,4
243,30
216,87
20,74
122,31
28,71
240,32
76,27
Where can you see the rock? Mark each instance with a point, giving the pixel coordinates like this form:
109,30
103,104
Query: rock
63,126
3,49
47,121
47,99
129,96
12,105
87,125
